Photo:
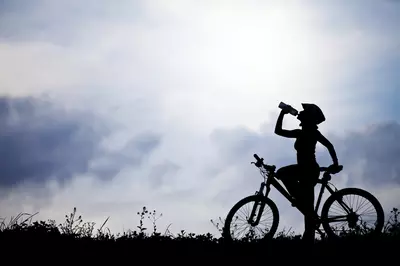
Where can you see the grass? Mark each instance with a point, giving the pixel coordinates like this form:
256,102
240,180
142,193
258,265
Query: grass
76,238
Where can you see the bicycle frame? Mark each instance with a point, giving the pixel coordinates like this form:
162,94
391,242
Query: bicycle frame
270,179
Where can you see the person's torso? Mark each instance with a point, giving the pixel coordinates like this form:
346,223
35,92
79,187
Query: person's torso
305,145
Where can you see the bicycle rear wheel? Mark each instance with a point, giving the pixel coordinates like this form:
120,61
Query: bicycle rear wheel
352,211
239,225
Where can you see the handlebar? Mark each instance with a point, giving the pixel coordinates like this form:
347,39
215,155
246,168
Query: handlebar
260,162
332,169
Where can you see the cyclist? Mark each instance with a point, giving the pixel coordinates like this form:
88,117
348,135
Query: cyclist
300,179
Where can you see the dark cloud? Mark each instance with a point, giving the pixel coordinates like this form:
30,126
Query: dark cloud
131,154
61,22
39,142
163,172
377,149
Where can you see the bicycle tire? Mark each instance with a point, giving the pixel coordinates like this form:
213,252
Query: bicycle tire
268,202
352,191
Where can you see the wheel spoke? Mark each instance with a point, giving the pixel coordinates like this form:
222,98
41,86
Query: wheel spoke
366,213
238,226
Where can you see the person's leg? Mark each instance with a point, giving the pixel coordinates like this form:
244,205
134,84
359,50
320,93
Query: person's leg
308,206
288,175
307,184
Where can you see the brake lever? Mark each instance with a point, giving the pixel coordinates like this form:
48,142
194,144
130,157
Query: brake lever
257,164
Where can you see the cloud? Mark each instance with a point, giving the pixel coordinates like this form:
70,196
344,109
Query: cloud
377,149
42,142
161,173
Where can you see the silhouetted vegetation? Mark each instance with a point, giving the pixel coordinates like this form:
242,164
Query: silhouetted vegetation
76,237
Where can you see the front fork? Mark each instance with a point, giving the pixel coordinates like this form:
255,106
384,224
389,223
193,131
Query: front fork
260,203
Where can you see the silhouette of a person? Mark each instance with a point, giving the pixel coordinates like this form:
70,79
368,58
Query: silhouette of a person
300,179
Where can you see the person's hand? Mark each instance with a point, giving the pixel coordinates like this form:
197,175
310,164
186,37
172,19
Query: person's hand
335,167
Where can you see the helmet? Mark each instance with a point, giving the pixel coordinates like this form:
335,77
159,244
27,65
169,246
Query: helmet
313,112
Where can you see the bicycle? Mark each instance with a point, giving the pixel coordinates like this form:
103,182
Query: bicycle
261,201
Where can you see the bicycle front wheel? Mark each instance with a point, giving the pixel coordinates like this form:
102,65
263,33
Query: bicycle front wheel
254,217
352,211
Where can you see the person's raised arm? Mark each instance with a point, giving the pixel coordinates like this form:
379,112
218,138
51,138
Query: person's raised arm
282,132
324,141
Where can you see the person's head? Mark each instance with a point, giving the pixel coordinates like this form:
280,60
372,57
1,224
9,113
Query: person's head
311,116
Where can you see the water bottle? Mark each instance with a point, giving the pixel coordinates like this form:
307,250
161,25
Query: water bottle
292,111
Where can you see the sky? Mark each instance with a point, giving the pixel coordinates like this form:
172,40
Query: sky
111,106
